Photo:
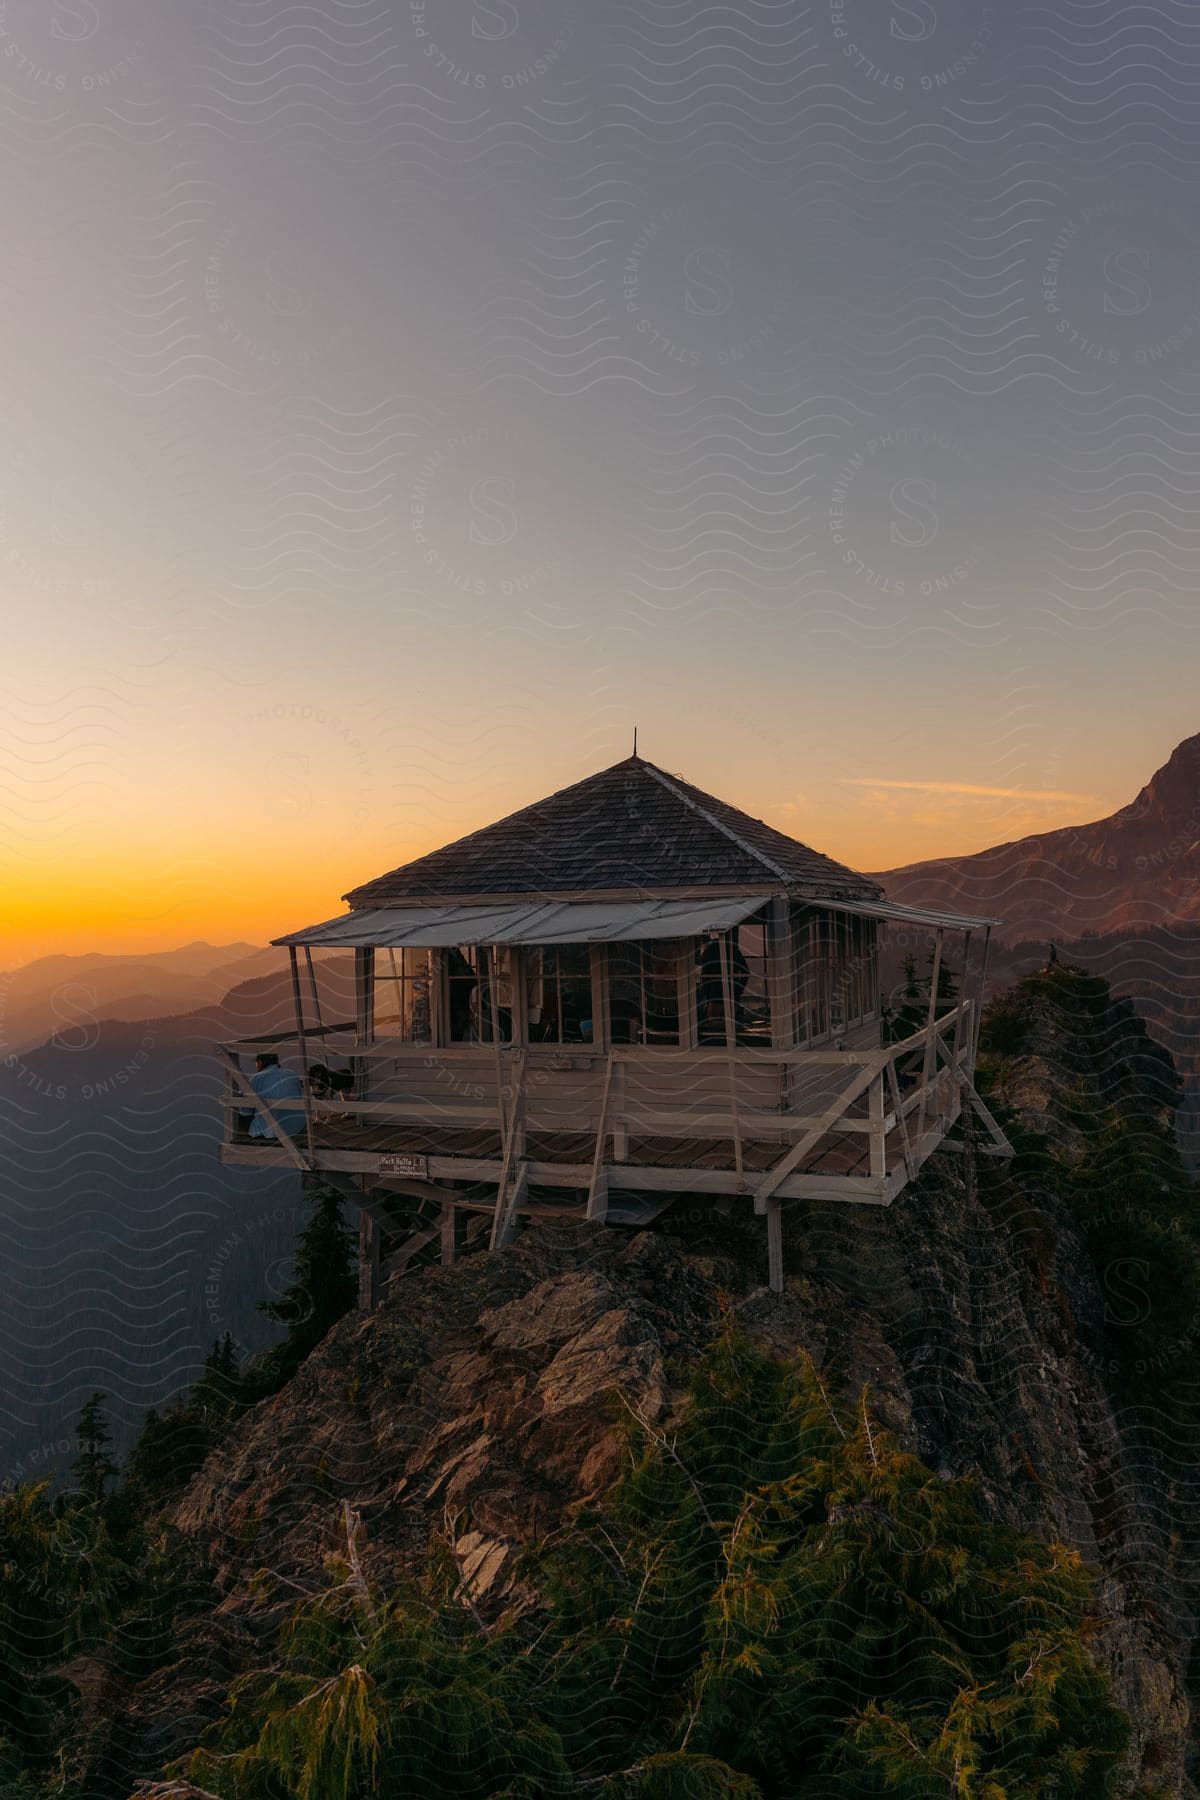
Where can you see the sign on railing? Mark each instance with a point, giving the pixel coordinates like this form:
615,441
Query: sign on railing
404,1162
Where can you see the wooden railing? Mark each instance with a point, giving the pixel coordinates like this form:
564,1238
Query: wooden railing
900,1097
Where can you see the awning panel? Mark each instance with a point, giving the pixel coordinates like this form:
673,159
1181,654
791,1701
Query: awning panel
908,915
531,922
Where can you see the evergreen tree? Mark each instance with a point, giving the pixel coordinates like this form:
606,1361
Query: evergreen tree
325,1288
168,1450
218,1392
912,1012
93,1466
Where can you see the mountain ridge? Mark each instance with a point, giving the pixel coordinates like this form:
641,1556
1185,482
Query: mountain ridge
1136,869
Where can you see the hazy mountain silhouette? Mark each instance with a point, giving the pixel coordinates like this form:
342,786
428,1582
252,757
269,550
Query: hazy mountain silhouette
68,995
125,1249
1137,871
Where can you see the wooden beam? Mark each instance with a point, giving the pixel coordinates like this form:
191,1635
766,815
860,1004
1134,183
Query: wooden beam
647,1178
798,1151
877,1127
685,978
598,1195
775,1245
368,1262
308,1106
983,967
909,1166
731,1046
419,1240
509,1139
993,1129
520,1187
449,1224
927,1066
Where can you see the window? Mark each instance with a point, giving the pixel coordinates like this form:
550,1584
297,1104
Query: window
558,989
472,970
839,971
403,996
747,953
643,993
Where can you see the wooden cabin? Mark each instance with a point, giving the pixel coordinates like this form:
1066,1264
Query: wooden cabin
625,993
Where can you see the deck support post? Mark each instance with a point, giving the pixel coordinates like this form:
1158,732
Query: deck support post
368,1262
449,1234
910,1167
597,1200
775,1244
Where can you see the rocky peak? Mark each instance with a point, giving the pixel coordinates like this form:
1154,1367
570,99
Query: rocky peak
1171,797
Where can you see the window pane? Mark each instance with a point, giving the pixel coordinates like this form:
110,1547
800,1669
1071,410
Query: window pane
750,966
462,977
661,987
559,994
403,1003
643,994
625,1003
495,993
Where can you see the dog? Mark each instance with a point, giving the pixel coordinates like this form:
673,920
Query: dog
331,1084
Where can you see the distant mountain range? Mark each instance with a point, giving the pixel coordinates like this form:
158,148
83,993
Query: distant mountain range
66,997
125,1248
1137,871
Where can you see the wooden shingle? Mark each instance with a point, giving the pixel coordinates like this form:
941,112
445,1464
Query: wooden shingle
632,829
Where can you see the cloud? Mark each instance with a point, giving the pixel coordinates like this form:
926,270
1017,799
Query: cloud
969,790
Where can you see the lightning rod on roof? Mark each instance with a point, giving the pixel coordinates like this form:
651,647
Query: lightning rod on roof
635,740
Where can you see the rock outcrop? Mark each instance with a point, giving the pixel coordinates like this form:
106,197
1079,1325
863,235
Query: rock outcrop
482,1402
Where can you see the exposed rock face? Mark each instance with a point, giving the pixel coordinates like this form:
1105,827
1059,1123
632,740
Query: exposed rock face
482,1397
482,1394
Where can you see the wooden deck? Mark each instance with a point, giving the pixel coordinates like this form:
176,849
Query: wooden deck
821,1123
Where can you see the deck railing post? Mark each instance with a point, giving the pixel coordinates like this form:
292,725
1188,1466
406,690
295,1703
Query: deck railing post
929,1062
730,1046
878,1139
620,1125
978,1019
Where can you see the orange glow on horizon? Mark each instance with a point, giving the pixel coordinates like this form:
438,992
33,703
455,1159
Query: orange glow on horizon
158,897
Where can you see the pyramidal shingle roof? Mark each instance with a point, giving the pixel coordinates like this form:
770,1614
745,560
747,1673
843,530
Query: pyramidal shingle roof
630,828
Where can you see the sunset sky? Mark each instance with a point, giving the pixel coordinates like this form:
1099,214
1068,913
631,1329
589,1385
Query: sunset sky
405,400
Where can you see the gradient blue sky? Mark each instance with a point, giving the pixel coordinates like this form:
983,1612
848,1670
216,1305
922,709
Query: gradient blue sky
406,397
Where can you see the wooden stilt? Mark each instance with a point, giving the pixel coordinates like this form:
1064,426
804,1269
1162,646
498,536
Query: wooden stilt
775,1244
368,1263
449,1234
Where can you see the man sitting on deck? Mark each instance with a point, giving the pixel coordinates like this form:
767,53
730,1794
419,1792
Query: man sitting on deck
274,1083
